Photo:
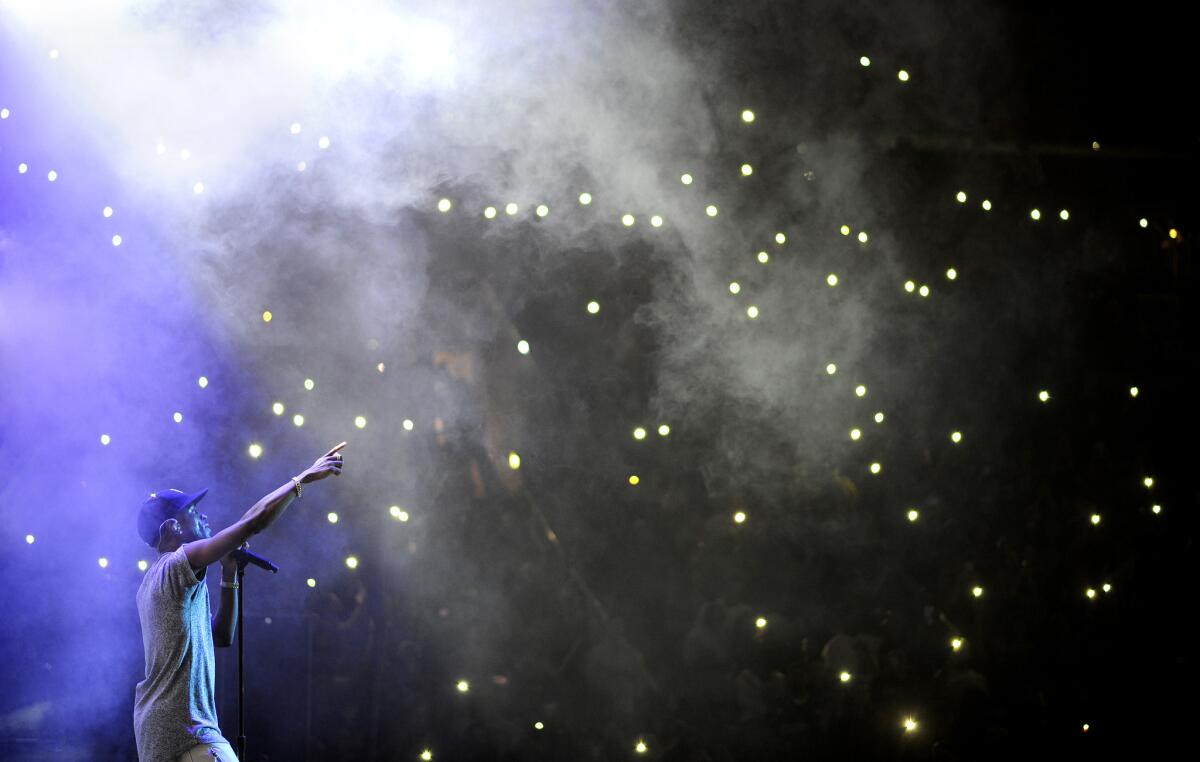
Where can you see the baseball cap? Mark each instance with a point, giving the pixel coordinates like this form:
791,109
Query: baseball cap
161,506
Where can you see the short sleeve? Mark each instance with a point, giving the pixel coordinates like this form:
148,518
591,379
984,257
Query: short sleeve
176,576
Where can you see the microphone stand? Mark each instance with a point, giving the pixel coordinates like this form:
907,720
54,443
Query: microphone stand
243,560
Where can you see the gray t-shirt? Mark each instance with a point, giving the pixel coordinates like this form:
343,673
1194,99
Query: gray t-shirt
174,707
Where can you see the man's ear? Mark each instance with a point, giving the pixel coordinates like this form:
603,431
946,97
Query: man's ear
169,527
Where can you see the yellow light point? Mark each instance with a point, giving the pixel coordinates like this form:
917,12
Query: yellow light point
977,591
310,582
523,347
309,384
1086,727
538,726
879,418
1144,223
639,433
398,513
178,417
360,422
489,212
910,725
831,279
298,420
961,197
711,210
627,220
763,257
143,565
105,439
266,316
862,237
844,677
255,450
542,210
444,205
831,368
1064,215
585,199
855,434
902,75
426,755
860,391
1156,509
1133,391
1173,233
1095,519
913,514
956,643
923,291
1035,214
407,424
760,623
1095,145
593,307
29,539
735,287
747,170
780,239
103,562
739,517
845,230
864,61
634,480
116,240
747,116
951,274
685,178
1106,587
352,562
332,517
956,437
1044,395
1148,482
641,747
514,460
1090,593
664,430
876,468
909,286
277,408
752,312
656,221
987,205
463,686
202,381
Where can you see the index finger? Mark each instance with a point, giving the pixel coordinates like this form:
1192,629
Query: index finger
335,449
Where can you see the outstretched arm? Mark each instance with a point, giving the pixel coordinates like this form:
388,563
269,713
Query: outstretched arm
261,515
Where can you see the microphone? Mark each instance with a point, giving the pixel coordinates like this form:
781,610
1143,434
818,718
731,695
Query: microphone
244,557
